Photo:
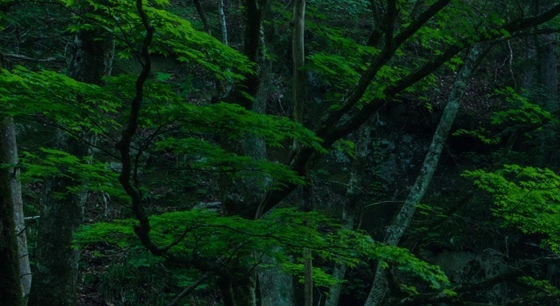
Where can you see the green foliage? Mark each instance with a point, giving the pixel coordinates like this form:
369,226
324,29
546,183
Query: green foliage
55,97
521,116
174,36
539,286
95,176
174,125
211,236
522,111
525,197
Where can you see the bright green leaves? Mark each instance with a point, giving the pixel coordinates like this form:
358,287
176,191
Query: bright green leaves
235,122
174,37
200,155
525,197
522,116
281,234
170,124
94,176
57,99
522,111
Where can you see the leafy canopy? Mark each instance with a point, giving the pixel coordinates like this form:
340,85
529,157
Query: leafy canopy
206,234
525,197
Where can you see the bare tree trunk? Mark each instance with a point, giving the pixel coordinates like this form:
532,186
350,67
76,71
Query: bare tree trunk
298,59
56,274
15,186
298,96
10,284
276,287
402,221
10,153
223,22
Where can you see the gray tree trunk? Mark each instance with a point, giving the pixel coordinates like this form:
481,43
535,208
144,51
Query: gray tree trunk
56,275
10,284
402,221
275,286
19,218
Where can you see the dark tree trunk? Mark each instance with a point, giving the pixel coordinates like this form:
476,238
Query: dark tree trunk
238,289
56,275
10,285
56,262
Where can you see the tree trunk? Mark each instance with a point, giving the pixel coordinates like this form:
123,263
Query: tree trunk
298,96
276,287
298,59
352,206
56,262
223,22
19,218
396,230
56,272
238,289
8,146
10,284
541,50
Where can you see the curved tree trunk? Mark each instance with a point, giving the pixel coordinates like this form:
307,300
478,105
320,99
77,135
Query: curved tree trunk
396,230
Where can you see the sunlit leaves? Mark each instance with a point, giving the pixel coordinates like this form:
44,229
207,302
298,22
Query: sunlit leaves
49,163
521,111
525,197
174,37
201,155
54,97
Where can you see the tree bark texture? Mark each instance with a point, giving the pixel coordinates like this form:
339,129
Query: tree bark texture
396,230
62,213
10,284
298,59
223,22
299,97
15,186
238,288
276,287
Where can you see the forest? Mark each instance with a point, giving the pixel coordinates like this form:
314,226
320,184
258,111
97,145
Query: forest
279,152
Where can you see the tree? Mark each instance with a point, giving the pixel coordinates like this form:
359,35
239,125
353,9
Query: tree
56,263
10,284
208,140
396,230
